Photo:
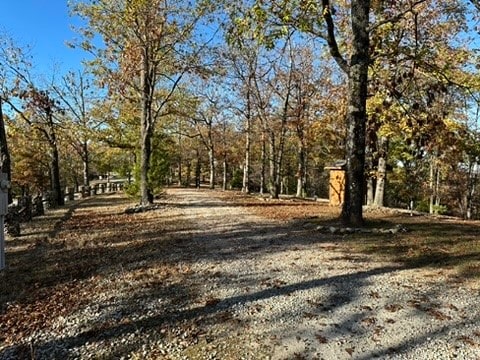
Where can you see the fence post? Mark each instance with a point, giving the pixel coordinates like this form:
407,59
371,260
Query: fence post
4,185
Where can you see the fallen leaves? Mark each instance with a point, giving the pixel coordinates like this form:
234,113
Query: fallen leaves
22,319
393,307
321,339
467,340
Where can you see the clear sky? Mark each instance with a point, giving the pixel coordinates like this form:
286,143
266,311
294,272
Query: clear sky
45,25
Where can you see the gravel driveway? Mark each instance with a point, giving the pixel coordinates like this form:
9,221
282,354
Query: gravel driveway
250,288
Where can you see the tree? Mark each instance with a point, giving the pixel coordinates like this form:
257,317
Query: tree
146,47
30,162
357,72
40,113
76,96
242,57
303,15
13,73
203,110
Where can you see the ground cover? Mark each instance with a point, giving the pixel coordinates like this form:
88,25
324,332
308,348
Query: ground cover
222,275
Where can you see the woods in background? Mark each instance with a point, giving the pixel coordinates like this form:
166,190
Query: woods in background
260,97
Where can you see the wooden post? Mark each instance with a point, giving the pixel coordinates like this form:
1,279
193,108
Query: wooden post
4,185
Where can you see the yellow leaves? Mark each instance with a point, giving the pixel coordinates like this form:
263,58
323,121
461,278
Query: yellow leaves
326,11
259,13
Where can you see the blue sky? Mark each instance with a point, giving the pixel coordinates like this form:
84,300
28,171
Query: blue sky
45,25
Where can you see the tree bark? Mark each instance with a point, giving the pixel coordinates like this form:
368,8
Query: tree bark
370,190
55,174
225,172
352,213
301,170
246,166
146,130
211,162
273,187
145,155
198,171
248,126
180,158
86,164
263,165
5,163
381,173
434,185
471,187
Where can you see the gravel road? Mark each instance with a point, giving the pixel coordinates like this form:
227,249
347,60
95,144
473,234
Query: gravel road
258,289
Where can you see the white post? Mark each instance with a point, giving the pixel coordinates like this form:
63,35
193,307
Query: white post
4,185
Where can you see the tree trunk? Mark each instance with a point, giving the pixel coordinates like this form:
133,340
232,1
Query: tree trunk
180,158
370,150
188,178
225,172
352,213
198,171
225,158
263,165
381,173
146,152
146,129
472,181
274,187
246,167
86,164
279,156
211,163
57,196
5,163
180,172
433,186
370,190
301,170
381,179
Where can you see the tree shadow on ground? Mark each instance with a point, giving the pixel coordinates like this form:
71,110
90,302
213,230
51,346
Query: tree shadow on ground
161,239
338,296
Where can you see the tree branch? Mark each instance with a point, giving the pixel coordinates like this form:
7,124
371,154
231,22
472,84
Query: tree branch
331,40
398,16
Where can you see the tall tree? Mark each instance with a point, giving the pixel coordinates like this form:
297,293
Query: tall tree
77,97
203,113
42,114
346,28
146,47
14,67
304,15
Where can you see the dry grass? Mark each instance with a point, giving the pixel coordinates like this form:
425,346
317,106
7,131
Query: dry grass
431,241
66,257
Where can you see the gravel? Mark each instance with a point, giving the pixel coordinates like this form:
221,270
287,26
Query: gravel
258,289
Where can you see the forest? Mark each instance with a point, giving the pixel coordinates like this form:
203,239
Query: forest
259,96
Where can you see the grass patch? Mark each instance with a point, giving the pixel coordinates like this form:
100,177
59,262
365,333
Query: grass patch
429,242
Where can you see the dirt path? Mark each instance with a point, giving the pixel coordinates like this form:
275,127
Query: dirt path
201,278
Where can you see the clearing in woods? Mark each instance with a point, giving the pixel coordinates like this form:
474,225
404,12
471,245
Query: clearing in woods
220,275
